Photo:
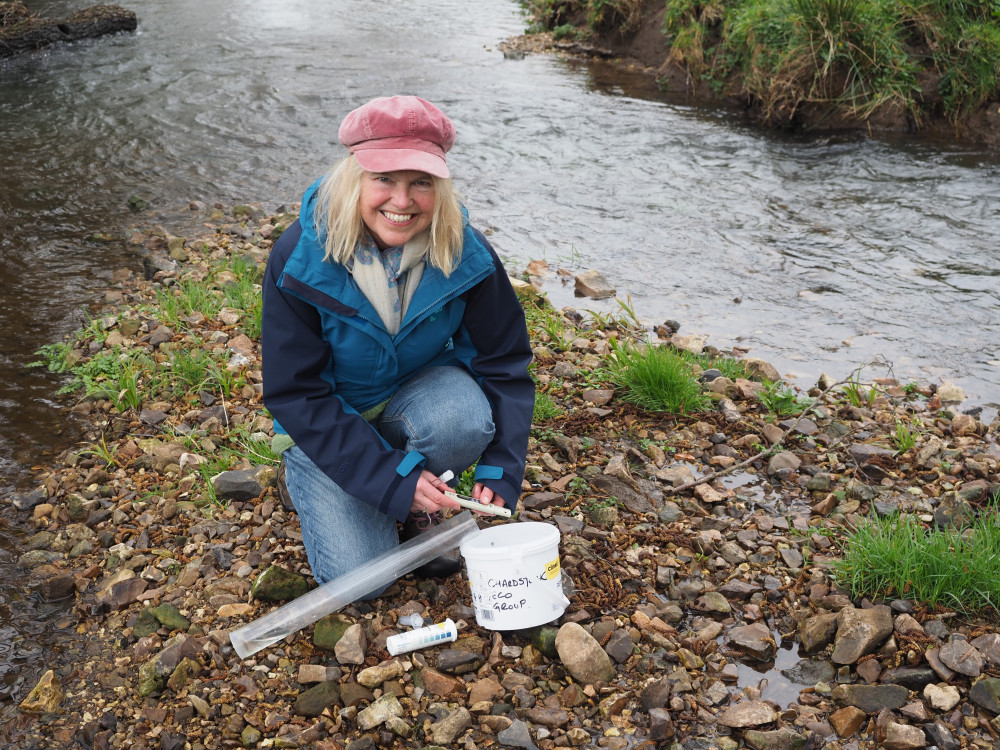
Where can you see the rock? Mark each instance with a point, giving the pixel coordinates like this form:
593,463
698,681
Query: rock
961,656
170,617
379,712
779,739
517,735
754,640
439,683
949,393
847,721
237,485
630,497
761,370
986,694
942,697
816,632
712,602
809,672
351,648
330,629
33,33
446,731
941,736
783,460
661,726
372,677
871,698
277,584
903,737
45,696
184,673
593,284
913,678
860,632
582,655
747,714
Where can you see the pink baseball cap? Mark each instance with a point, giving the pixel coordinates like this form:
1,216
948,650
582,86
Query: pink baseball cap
399,132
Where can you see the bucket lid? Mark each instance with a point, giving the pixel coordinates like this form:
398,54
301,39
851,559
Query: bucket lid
502,542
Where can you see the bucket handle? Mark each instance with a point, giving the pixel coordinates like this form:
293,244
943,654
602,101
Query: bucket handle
557,597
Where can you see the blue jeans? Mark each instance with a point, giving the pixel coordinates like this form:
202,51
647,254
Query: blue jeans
443,414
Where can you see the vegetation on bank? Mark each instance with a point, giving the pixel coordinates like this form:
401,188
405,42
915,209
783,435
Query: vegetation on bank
114,365
852,57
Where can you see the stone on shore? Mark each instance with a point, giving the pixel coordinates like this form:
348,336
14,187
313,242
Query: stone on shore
582,655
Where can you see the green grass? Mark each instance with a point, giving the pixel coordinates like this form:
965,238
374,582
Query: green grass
781,400
655,378
896,557
545,408
849,57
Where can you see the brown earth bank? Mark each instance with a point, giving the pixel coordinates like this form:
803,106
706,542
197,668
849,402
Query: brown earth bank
22,31
697,553
644,48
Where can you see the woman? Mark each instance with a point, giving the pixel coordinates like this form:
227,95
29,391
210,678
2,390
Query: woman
394,346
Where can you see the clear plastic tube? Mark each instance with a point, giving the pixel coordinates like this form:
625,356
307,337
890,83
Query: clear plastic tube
351,586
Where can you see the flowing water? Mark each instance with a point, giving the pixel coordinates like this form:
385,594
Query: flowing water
814,253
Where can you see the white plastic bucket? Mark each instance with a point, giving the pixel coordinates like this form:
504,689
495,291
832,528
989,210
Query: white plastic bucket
514,575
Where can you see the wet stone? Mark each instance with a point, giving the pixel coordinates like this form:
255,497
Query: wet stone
809,672
986,694
779,739
848,720
754,640
747,714
914,678
871,698
276,584
329,630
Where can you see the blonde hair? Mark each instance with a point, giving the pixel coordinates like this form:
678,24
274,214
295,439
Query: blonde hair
338,215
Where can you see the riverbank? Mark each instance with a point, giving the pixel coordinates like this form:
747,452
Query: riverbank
886,69
702,612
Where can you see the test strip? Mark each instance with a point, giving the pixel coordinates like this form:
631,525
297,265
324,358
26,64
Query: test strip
468,502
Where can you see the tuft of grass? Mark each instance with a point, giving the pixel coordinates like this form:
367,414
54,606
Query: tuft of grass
781,400
655,378
545,408
896,557
903,437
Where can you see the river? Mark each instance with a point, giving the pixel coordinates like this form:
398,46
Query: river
816,253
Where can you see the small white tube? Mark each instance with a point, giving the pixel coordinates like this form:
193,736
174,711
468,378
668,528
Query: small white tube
411,621
432,635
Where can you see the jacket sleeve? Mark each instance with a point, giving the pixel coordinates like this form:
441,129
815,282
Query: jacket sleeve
328,430
495,325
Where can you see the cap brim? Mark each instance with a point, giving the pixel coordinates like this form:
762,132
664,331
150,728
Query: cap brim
398,159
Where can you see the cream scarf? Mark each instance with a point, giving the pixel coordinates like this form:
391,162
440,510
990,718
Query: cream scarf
378,274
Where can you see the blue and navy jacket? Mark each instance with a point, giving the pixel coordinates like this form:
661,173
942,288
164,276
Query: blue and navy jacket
327,358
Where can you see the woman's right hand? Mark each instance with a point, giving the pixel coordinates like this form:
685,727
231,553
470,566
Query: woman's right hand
429,495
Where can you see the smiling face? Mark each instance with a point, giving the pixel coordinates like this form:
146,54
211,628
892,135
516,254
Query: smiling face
396,206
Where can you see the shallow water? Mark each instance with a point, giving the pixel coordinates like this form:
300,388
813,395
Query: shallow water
815,253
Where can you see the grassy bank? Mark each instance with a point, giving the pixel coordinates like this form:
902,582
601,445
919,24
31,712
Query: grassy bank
843,60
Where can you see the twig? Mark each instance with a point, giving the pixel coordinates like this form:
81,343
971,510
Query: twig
768,451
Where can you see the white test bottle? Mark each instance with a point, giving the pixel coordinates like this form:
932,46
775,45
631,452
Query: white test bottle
432,635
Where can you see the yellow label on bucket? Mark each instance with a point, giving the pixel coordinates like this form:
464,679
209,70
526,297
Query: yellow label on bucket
552,569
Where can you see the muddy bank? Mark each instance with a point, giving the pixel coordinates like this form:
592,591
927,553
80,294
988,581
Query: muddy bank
643,47
21,31
696,552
